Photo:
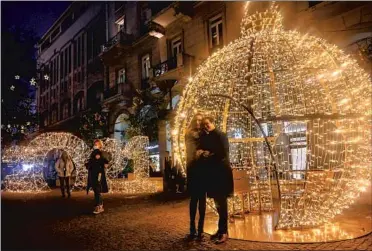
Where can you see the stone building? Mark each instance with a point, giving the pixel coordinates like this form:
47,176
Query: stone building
160,45
70,71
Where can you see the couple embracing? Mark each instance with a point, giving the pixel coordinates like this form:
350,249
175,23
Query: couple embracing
208,174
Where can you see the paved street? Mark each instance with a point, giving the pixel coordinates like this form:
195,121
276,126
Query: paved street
46,221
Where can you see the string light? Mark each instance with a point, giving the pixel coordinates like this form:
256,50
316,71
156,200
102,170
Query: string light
12,87
17,77
32,158
313,102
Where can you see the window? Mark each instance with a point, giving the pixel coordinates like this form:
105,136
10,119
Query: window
54,116
69,59
120,24
90,45
216,32
176,46
62,65
66,65
75,54
65,111
121,76
78,50
83,49
146,65
79,104
146,15
55,33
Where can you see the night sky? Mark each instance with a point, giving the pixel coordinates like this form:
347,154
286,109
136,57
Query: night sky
36,15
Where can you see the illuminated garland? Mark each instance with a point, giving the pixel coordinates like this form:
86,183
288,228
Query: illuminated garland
32,158
314,103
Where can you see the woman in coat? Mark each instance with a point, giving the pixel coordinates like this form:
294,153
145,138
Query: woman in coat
64,168
195,178
97,175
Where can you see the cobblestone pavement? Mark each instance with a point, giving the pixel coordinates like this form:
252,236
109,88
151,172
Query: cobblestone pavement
47,221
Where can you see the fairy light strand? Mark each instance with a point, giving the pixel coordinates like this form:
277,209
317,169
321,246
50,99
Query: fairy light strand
313,101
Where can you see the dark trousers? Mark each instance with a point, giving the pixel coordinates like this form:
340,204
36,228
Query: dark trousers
97,195
65,183
221,205
202,199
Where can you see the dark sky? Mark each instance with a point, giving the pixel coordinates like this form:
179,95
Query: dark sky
37,15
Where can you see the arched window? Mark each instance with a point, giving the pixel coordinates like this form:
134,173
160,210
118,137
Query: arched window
121,124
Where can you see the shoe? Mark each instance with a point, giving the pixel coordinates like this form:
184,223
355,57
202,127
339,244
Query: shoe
223,238
69,195
96,210
101,209
215,236
190,237
200,237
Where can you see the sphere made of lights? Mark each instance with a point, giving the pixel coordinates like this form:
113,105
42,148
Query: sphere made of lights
312,101
32,159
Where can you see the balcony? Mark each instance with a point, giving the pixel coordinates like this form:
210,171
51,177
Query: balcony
164,67
173,12
121,40
173,69
153,29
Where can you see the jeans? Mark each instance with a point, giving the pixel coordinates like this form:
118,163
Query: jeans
202,199
97,196
63,181
221,205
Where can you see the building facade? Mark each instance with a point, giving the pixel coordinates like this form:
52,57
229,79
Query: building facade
69,67
124,46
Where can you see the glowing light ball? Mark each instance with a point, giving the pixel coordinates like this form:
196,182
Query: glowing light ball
312,101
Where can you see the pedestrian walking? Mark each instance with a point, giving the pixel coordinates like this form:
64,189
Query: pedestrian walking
64,168
214,149
97,175
195,179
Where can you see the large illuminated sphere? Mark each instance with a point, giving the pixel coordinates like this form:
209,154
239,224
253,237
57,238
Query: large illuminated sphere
313,102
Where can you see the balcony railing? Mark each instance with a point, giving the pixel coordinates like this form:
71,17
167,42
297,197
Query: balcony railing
111,92
166,66
121,38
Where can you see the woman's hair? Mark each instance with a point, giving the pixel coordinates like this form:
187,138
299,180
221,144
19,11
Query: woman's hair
64,156
98,141
193,121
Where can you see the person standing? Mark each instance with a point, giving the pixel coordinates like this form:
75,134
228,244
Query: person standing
214,148
64,167
97,175
167,171
195,179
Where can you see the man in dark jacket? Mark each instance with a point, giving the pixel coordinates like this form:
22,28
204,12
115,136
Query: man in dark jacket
214,151
97,175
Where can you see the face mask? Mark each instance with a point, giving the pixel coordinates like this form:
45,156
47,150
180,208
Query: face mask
96,147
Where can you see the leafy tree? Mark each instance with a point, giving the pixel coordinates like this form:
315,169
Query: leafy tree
148,107
93,125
